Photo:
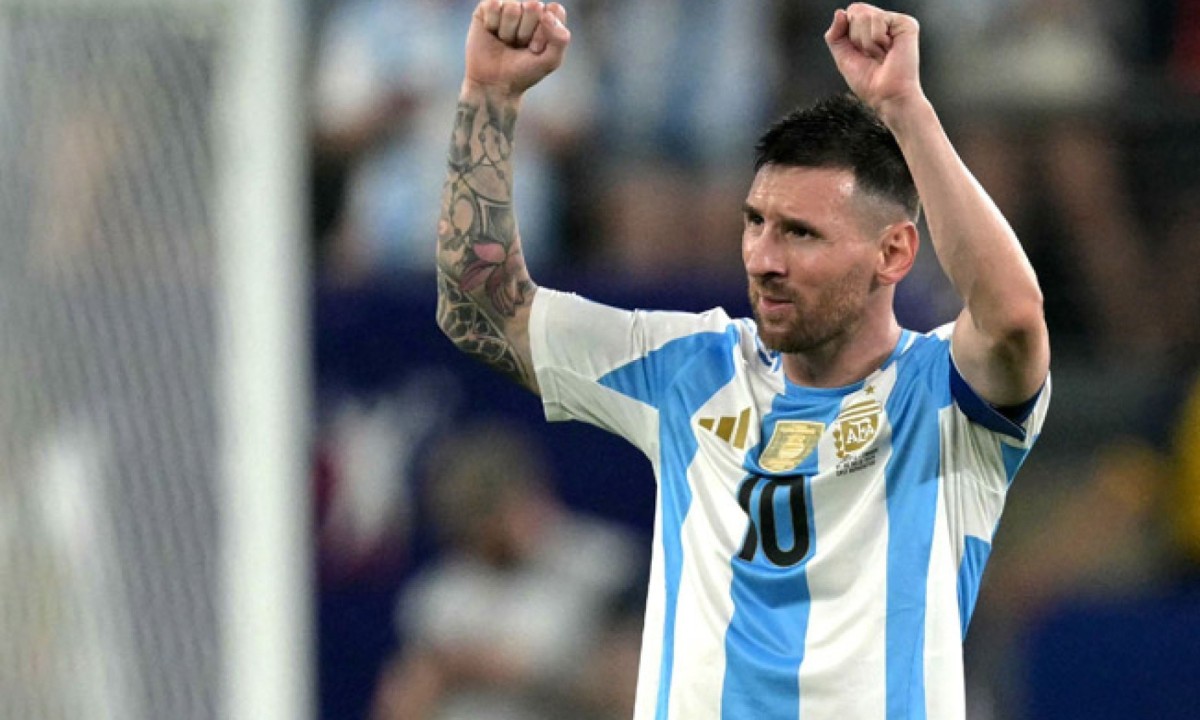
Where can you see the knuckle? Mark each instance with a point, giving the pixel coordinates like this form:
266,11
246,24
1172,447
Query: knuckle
902,19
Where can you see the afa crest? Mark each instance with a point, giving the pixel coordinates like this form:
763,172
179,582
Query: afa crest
856,427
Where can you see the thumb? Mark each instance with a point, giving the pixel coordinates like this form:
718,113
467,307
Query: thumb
556,25
554,33
839,29
904,30
558,11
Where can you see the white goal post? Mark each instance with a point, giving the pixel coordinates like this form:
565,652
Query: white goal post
154,476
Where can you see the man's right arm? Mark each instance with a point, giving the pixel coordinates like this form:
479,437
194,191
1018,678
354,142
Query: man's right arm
484,289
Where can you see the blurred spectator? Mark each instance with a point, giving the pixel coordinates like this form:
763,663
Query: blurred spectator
514,622
386,81
364,478
1042,127
688,86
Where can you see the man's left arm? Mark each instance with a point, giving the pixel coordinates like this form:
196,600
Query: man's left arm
1001,344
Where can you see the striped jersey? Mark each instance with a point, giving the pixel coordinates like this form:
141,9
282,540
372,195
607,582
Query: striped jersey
817,552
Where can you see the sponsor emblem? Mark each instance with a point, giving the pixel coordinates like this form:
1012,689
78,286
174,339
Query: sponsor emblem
791,443
856,427
732,429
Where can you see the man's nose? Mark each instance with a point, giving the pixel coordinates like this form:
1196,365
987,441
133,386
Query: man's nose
763,255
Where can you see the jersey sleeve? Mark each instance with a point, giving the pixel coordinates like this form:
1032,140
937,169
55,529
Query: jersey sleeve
1022,429
607,366
984,443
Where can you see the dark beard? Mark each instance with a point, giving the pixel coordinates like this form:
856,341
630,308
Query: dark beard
833,314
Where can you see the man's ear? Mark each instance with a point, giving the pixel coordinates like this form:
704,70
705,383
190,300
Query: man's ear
898,246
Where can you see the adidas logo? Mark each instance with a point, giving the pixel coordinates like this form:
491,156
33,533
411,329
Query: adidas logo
732,430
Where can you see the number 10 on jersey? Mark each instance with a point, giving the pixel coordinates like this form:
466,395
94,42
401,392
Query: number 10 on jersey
777,508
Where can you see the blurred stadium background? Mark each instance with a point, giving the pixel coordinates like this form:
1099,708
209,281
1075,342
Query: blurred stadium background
223,399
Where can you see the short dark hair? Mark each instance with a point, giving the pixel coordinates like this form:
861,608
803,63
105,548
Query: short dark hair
842,132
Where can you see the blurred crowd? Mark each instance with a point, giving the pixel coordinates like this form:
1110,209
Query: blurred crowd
1082,120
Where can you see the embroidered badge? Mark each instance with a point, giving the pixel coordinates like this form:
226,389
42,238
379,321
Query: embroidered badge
791,442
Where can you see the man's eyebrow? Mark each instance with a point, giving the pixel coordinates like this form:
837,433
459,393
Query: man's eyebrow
788,224
799,226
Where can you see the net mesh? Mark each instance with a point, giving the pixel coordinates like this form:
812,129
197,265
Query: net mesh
108,516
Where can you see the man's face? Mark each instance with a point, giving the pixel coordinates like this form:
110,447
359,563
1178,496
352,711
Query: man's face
810,255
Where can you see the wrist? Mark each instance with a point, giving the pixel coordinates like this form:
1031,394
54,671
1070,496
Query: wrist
496,94
903,112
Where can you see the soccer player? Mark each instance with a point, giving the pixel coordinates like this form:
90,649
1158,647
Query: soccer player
828,482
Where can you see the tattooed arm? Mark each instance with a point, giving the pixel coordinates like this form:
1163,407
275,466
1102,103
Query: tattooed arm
484,288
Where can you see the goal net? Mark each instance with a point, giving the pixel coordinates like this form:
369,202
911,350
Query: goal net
113,530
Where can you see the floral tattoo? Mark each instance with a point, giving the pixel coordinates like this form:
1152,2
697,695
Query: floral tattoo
482,279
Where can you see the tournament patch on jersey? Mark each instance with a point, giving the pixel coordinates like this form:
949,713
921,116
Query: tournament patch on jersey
791,442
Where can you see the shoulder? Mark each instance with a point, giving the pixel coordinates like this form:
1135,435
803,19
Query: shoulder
563,314
924,352
929,360
921,366
922,345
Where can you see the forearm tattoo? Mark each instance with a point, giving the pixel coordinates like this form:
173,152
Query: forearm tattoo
482,279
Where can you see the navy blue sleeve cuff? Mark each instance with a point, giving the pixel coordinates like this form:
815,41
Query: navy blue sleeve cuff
1007,422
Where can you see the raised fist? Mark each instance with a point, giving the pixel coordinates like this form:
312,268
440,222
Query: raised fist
876,52
512,45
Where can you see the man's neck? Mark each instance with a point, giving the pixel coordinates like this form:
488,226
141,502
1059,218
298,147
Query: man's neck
847,359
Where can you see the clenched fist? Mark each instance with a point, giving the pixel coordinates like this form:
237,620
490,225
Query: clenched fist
876,52
512,45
